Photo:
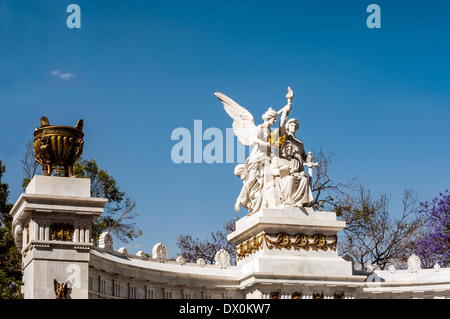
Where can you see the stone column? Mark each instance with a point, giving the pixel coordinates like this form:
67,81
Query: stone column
47,214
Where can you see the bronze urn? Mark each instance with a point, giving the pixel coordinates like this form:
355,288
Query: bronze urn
58,147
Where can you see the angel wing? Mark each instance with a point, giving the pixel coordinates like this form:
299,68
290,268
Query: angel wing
243,122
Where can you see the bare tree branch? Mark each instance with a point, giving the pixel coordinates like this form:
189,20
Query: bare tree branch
29,165
376,235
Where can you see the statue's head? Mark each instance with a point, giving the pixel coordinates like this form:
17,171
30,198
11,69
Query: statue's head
287,149
292,125
270,116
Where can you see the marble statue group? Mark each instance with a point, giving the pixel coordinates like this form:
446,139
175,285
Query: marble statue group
273,175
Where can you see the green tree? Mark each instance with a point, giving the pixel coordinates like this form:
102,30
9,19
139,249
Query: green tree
10,257
120,211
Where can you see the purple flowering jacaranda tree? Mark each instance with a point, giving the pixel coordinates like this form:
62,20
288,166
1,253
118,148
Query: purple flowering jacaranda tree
434,247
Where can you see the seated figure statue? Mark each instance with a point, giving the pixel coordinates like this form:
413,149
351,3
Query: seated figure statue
269,180
290,178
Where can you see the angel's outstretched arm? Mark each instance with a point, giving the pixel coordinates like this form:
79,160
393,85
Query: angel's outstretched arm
284,115
285,112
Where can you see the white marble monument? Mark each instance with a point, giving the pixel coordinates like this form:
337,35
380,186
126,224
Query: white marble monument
52,225
290,241
282,235
284,248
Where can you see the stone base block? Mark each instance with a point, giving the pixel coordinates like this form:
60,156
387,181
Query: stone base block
298,266
290,241
59,186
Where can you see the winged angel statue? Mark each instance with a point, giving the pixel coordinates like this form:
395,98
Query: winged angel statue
270,178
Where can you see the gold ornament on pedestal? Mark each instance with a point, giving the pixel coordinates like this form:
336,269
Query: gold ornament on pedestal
57,147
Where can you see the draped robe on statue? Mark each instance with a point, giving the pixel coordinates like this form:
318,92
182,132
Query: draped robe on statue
252,174
291,180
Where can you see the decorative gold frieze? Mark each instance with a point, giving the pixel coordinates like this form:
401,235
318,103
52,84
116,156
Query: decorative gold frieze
296,295
275,295
286,241
339,295
318,295
61,231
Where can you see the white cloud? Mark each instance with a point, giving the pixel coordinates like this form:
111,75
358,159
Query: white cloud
64,76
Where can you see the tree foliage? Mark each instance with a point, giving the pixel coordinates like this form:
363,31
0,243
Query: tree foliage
30,166
120,211
193,249
434,246
375,234
325,190
10,257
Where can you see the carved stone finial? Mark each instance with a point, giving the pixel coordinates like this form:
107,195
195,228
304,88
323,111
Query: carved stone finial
391,269
141,254
160,253
106,242
181,260
413,263
437,267
222,258
201,262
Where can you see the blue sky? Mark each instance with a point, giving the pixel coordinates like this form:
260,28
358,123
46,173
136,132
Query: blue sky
136,70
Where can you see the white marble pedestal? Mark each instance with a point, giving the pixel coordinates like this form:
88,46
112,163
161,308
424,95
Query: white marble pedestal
52,226
297,245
